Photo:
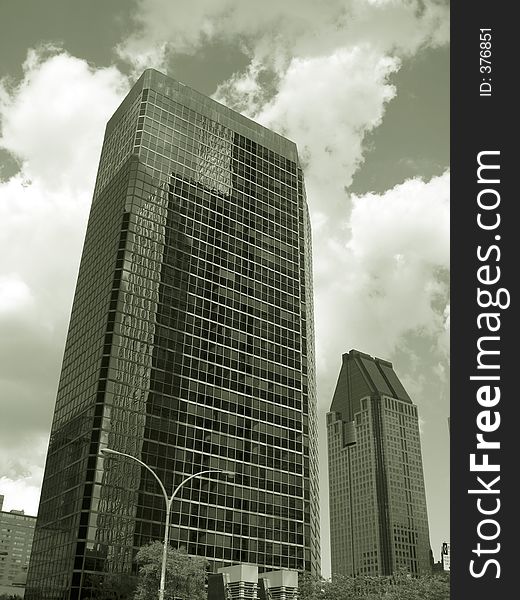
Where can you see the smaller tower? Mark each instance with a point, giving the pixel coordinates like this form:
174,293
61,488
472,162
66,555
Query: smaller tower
378,516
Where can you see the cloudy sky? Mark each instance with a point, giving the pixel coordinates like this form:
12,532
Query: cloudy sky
362,86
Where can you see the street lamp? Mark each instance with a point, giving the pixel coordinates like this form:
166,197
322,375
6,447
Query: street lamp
168,501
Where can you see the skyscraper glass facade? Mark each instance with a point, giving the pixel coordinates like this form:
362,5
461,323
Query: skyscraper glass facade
378,516
190,347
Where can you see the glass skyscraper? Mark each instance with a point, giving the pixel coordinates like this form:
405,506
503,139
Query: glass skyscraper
378,516
190,347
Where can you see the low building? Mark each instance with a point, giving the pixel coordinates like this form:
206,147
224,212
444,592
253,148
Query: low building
16,537
445,556
244,582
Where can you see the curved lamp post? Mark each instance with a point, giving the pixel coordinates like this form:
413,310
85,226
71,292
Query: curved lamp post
168,500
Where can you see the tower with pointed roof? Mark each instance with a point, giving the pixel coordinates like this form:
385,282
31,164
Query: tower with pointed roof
378,515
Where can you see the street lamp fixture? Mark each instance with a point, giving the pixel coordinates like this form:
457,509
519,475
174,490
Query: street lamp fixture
168,501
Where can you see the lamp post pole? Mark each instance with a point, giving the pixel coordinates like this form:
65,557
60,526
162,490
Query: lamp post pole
168,501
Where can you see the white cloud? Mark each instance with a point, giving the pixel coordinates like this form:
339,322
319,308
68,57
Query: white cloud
294,27
382,275
21,476
14,294
53,122
327,104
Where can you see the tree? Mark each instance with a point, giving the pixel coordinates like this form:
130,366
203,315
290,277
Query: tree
399,587
185,574
426,587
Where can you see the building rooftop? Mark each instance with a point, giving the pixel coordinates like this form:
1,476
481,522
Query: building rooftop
179,92
362,375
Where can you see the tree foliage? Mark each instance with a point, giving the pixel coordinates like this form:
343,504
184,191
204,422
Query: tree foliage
113,586
399,587
185,574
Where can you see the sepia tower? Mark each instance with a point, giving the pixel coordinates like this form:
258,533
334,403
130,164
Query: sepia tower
190,347
378,517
